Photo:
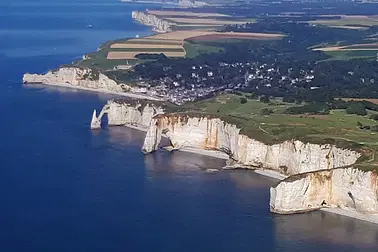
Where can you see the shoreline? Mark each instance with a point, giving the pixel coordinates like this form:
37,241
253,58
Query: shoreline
104,91
371,218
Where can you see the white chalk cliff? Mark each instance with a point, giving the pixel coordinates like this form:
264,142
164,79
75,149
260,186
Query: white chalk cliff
318,175
192,3
127,114
346,188
206,133
77,77
158,24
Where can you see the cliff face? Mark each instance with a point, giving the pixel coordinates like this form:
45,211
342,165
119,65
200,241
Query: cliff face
128,114
289,158
160,25
317,174
80,77
347,188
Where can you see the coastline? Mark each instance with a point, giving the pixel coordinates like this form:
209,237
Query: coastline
104,91
371,218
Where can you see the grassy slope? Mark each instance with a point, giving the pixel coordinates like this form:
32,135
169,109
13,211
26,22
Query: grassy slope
348,55
338,127
194,49
347,21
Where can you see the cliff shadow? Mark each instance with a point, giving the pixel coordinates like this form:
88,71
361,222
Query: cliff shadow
326,228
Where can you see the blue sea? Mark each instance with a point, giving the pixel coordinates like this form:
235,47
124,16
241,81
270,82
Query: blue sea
66,188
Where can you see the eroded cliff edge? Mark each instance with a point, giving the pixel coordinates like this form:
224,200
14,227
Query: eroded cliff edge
127,113
346,188
207,133
317,175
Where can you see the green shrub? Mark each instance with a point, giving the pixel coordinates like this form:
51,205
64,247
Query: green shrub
266,111
243,100
374,128
318,108
264,99
374,117
356,108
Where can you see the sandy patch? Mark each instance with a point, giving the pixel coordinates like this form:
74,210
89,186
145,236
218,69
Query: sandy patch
354,47
349,27
182,35
218,36
204,21
156,41
158,46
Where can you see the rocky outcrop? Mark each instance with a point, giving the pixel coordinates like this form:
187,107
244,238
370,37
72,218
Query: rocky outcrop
206,133
158,24
77,77
125,113
346,188
96,121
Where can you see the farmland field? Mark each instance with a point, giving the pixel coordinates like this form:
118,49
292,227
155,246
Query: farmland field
145,45
348,21
184,13
192,35
348,55
235,36
204,21
354,47
350,51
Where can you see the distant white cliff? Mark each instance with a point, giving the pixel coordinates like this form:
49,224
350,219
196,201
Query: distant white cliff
87,79
192,3
77,77
158,24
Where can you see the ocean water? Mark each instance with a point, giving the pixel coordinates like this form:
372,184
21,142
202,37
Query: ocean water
66,188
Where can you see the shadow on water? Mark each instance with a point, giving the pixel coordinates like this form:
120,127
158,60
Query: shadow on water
237,199
326,228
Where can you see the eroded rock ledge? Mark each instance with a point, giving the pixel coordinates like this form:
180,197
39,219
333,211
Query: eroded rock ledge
127,113
347,188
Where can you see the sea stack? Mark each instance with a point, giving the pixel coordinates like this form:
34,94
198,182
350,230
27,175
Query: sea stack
96,122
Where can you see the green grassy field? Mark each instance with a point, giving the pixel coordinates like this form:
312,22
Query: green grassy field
337,128
347,21
348,55
194,49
